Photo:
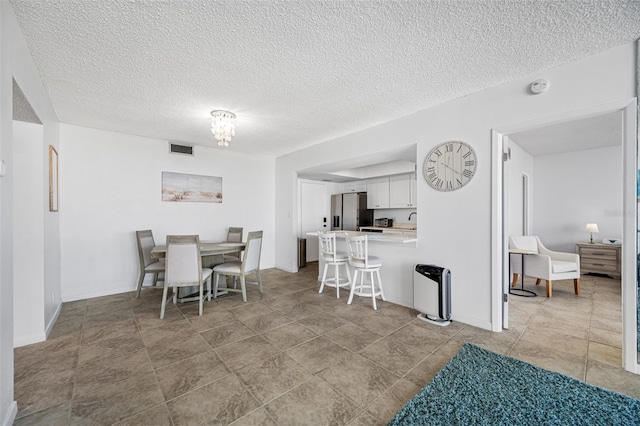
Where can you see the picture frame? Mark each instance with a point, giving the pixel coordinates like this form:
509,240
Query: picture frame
182,187
53,179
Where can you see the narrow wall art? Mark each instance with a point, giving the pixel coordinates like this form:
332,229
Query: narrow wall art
53,179
183,187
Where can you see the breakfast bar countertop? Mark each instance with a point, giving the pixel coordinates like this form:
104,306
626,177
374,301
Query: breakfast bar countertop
375,237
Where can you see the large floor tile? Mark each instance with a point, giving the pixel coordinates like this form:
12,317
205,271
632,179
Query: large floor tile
156,416
273,377
218,403
240,354
312,403
118,401
551,359
394,356
318,354
359,379
186,375
385,407
289,335
232,332
176,349
352,336
95,375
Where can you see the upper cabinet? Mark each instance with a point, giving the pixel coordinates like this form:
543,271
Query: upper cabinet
395,192
378,193
355,186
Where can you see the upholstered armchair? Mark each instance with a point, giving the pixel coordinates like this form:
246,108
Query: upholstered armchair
544,264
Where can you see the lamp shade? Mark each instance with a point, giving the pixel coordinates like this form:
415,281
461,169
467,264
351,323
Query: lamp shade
592,227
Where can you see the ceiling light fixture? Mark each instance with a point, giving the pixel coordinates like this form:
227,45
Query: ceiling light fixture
223,126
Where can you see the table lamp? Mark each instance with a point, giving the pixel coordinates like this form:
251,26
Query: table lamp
591,228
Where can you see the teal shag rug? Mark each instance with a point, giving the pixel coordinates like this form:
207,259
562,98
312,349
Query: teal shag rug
479,387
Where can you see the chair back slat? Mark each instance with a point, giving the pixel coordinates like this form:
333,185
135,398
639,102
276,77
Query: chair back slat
145,245
251,261
183,262
358,249
234,235
327,245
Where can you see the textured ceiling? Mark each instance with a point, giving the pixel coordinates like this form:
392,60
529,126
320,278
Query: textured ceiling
296,72
575,135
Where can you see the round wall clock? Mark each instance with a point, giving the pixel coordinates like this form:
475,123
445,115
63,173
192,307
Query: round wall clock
450,166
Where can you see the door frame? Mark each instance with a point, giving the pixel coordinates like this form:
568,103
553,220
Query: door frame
499,244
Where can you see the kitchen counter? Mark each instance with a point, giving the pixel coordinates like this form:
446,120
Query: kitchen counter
377,237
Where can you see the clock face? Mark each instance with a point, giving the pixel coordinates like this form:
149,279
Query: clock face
450,166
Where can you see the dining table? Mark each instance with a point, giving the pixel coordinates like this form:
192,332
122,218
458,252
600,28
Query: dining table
212,253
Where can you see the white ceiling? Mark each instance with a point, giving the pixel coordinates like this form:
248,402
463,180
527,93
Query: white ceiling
297,72
575,135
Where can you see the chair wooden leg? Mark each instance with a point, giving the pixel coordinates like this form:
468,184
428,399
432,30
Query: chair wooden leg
259,281
324,277
549,288
373,291
201,298
538,281
164,301
353,286
576,286
380,284
337,278
215,285
140,281
244,288
514,282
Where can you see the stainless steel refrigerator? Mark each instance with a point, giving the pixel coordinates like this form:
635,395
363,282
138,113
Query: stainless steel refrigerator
349,211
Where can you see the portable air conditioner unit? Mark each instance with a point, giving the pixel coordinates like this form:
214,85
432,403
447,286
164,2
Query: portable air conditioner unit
432,294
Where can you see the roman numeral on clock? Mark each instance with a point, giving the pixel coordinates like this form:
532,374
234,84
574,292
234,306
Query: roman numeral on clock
467,173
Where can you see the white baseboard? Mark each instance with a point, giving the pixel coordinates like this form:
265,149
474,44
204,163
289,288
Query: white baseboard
89,295
53,320
29,340
12,412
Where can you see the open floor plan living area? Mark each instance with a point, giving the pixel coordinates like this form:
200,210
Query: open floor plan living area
334,212
290,356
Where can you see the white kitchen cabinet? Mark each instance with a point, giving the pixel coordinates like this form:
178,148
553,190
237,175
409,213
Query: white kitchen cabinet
354,186
402,191
414,190
378,193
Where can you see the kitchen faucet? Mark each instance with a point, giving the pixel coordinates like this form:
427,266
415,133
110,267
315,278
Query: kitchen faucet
412,213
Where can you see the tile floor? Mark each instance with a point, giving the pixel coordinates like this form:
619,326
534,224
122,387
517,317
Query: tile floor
291,356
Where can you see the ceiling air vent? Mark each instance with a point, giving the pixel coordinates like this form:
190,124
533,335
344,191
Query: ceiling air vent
176,148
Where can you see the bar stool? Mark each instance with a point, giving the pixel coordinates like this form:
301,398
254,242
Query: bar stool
361,262
334,258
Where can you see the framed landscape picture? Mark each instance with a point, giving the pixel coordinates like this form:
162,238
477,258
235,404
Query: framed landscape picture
53,179
181,187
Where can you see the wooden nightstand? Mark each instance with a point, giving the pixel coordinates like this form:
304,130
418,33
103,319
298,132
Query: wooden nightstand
600,258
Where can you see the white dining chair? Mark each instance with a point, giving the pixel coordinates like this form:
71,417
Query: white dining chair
183,268
148,264
332,257
234,235
249,264
362,263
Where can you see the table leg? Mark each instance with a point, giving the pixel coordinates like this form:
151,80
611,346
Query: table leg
521,290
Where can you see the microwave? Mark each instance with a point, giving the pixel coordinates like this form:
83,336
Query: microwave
383,222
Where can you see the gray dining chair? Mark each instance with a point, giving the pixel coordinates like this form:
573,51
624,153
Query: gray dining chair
249,264
148,264
234,235
183,268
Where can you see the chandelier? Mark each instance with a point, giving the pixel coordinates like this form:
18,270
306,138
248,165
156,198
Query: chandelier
223,126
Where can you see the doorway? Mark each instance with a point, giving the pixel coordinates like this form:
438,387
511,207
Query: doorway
314,213
29,195
575,232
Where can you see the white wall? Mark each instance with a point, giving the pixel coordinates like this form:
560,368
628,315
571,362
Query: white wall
110,186
455,227
16,62
576,188
28,234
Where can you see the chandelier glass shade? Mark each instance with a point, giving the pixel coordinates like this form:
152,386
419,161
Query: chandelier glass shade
223,126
